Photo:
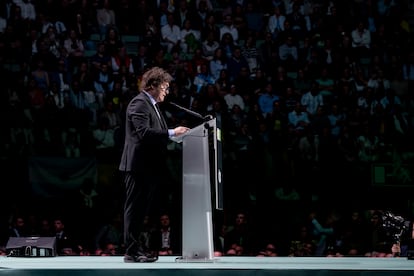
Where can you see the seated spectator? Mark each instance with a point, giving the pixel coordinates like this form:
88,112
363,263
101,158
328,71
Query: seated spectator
111,112
65,242
234,98
210,45
152,34
250,53
81,25
99,58
312,99
297,21
190,37
142,60
202,78
202,11
361,40
54,41
228,27
239,236
103,82
298,119
275,23
171,34
323,229
268,251
210,26
109,249
110,233
165,238
266,99
288,54
121,59
75,48
255,22
45,227
40,76
112,41
18,227
326,85
240,21
236,62
217,63
104,140
368,145
105,16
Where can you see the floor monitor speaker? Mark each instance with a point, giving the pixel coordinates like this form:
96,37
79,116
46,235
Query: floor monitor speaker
31,247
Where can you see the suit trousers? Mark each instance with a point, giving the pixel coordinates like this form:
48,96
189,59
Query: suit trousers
141,200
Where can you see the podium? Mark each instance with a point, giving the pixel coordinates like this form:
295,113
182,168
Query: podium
199,149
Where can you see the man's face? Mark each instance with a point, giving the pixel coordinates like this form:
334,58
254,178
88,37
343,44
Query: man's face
58,225
161,91
19,223
240,219
228,21
165,220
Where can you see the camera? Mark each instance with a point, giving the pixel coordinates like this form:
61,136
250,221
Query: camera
395,226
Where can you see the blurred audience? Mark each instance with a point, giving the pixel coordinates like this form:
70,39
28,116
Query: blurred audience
336,77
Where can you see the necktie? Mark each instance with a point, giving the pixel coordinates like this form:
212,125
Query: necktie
157,109
163,123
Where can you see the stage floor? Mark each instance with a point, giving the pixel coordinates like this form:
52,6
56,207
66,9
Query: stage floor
240,266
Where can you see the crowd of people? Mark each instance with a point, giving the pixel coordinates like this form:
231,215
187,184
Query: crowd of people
309,95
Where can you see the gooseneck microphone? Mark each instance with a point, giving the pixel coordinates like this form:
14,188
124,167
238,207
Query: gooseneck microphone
189,111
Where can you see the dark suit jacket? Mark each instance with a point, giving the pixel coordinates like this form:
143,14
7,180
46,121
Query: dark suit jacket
146,137
175,241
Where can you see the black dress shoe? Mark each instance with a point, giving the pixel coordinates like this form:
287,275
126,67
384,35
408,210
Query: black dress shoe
142,258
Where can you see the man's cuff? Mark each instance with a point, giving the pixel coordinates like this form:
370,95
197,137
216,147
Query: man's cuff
171,132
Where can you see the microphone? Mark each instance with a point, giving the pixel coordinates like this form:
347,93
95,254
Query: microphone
189,111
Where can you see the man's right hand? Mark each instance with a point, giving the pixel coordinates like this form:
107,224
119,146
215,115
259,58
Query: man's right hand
180,130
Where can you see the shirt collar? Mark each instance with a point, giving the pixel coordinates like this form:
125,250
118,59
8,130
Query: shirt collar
153,101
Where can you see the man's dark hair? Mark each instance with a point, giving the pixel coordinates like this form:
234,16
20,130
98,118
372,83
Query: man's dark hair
154,77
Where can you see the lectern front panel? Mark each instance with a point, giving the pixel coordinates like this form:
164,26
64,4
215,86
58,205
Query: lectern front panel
197,209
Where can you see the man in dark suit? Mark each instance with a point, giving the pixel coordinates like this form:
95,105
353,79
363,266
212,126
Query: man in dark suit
143,160
65,244
166,239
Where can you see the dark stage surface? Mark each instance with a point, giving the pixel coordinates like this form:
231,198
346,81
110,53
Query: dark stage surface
222,266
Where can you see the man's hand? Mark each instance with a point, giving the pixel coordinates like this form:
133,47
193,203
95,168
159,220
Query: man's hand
180,130
396,249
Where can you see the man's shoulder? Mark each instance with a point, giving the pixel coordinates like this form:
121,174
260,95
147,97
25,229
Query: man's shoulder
139,96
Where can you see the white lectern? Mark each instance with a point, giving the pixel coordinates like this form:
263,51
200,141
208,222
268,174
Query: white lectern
197,232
